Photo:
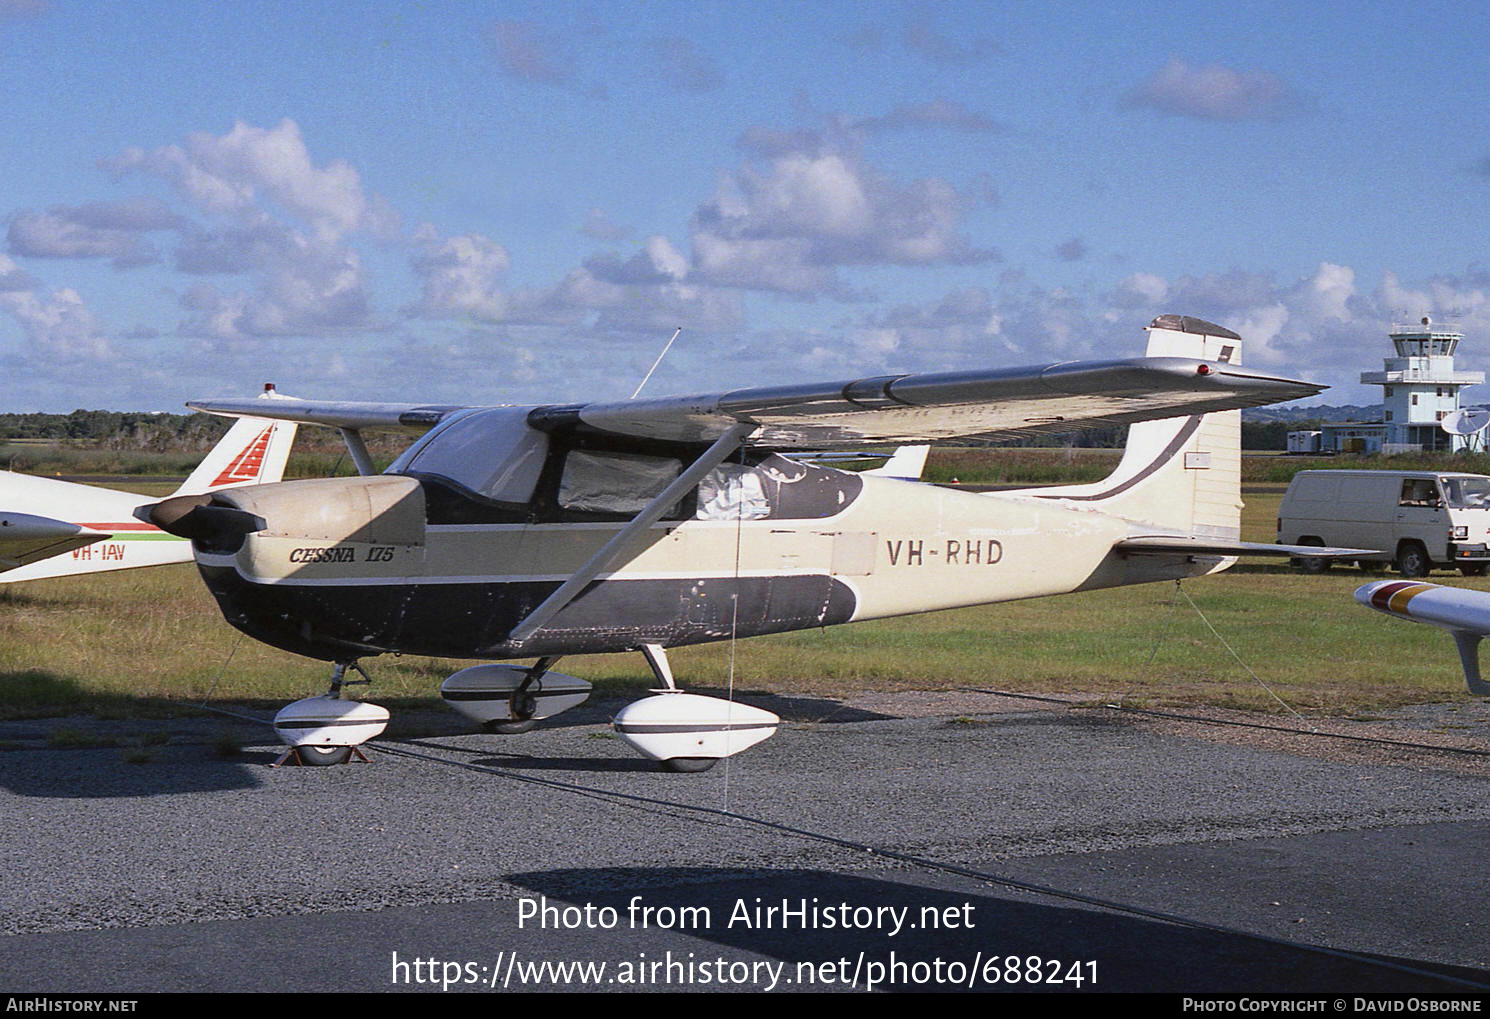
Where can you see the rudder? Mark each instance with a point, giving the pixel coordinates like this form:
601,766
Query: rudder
1180,474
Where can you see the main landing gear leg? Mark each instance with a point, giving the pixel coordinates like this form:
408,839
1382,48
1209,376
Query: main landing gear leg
656,657
523,705
684,731
338,680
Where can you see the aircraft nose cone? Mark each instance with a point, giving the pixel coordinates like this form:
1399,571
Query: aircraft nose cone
221,528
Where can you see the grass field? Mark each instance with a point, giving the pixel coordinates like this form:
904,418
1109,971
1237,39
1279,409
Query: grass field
152,643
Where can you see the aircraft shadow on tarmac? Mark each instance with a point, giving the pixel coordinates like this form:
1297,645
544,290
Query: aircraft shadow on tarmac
817,710
78,766
1132,953
108,772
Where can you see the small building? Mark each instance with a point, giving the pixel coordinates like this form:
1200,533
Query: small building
1419,386
1352,436
1304,442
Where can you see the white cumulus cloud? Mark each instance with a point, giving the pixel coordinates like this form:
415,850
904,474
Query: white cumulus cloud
789,225
1214,92
462,276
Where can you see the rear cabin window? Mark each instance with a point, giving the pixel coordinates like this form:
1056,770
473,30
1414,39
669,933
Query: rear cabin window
731,492
602,482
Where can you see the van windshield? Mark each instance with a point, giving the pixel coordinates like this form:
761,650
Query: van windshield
1467,493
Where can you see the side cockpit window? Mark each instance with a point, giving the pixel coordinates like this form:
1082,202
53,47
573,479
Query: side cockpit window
491,453
490,466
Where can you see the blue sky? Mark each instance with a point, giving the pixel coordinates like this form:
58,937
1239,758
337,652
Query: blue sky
518,202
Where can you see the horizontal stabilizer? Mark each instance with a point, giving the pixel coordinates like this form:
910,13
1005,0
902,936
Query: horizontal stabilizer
1164,544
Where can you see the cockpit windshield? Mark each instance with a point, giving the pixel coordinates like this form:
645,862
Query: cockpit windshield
1467,492
492,453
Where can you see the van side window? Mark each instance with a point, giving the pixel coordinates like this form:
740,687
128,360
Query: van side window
1419,492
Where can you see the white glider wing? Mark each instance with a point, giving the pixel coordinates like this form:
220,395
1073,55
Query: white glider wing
1463,612
45,518
27,538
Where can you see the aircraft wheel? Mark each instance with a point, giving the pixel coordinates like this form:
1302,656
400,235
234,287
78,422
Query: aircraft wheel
688,765
1413,561
510,728
317,757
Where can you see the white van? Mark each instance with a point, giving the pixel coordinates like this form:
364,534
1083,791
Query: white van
1419,519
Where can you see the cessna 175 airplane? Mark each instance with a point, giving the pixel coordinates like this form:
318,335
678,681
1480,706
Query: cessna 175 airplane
545,531
42,520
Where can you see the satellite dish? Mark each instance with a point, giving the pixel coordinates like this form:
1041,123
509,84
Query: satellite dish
1469,421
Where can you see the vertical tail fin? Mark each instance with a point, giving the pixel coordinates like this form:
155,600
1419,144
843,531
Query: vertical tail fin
254,452
906,464
1182,474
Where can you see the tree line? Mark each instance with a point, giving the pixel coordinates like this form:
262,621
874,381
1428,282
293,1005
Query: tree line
141,430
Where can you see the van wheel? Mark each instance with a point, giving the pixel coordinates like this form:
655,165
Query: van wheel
1474,569
1310,564
1371,566
1413,561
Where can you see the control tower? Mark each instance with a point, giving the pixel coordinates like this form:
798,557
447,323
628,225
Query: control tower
1420,387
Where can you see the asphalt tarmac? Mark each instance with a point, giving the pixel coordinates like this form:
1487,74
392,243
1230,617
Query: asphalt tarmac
983,844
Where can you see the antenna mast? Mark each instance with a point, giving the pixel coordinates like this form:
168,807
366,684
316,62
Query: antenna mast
666,347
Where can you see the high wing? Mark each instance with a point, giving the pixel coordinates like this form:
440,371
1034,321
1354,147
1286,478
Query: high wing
345,414
994,403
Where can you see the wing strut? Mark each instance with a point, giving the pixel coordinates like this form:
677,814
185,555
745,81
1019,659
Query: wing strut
621,543
355,446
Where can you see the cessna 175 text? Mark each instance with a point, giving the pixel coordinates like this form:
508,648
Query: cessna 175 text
51,528
539,532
